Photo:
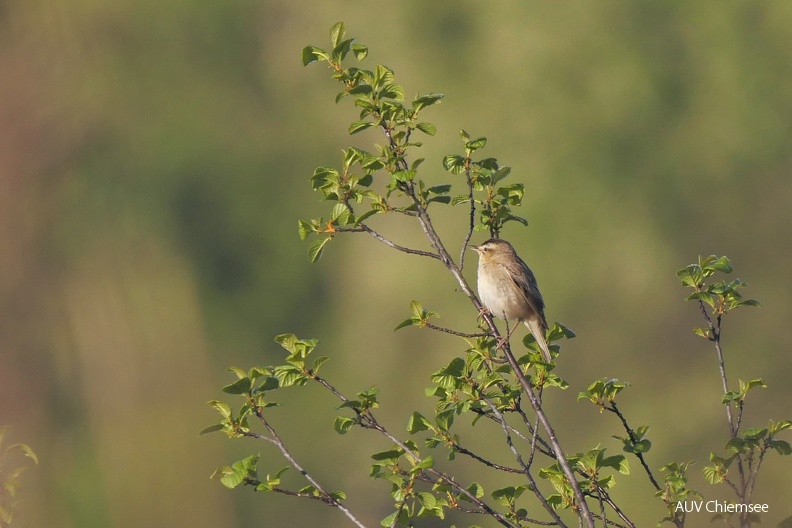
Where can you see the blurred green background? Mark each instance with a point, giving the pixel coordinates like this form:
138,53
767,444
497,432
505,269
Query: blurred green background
154,160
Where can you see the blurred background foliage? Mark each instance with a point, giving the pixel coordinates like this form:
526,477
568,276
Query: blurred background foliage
154,160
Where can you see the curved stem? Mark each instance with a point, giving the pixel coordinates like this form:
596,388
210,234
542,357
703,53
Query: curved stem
326,497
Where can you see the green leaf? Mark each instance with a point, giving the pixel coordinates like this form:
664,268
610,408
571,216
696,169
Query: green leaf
316,248
642,446
221,407
343,424
447,376
310,490
238,371
427,128
312,53
391,456
782,447
211,429
238,472
712,474
722,264
746,386
445,419
390,520
417,423
272,481
475,489
359,220
270,383
426,463
304,229
341,50
701,332
690,275
407,322
476,144
617,462
426,499
426,100
340,214
240,386
701,296
392,91
360,51
781,425
737,445
337,33
287,341
359,126
404,175
508,495
460,199
558,331
499,174
454,163
439,189
755,433
318,362
730,396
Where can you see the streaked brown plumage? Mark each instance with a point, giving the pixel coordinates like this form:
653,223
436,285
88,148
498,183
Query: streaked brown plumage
508,289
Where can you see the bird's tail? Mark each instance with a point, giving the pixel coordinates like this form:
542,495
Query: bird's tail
538,331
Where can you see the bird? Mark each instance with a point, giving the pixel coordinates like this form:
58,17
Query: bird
508,289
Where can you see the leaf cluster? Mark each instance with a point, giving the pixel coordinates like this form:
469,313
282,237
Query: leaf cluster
495,201
382,106
721,296
10,474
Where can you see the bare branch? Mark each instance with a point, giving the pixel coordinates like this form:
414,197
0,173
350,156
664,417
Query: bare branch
363,228
493,465
454,332
472,224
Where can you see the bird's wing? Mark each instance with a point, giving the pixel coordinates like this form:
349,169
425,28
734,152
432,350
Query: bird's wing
524,279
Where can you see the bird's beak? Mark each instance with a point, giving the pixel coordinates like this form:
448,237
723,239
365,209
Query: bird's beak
474,248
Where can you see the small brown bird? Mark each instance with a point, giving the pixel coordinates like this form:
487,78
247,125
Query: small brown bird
508,289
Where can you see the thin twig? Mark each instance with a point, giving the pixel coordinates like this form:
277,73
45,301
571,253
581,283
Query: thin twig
459,449
609,522
290,493
754,475
363,228
615,508
453,332
275,439
715,331
472,225
615,410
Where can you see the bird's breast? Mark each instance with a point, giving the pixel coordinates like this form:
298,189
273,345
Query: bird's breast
499,293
